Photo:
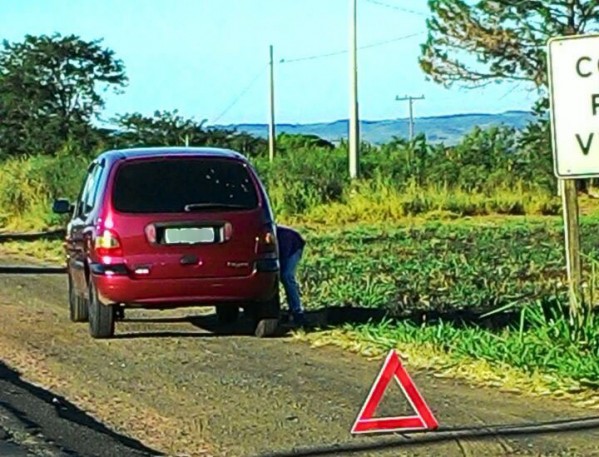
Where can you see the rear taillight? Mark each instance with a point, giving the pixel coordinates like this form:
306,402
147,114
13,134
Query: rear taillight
266,242
228,231
150,231
108,244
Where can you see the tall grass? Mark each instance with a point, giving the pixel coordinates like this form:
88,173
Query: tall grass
548,345
480,176
374,201
28,185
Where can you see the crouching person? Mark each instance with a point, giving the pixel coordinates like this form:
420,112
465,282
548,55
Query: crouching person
291,248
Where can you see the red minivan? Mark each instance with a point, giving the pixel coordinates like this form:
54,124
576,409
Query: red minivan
170,227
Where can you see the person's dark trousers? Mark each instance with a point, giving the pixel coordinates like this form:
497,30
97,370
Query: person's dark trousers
288,271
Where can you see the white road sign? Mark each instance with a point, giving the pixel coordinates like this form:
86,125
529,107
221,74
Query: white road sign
574,95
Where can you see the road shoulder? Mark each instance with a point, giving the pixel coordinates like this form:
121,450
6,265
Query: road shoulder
34,421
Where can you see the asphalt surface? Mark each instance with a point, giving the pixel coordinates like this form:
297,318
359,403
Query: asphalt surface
240,395
35,422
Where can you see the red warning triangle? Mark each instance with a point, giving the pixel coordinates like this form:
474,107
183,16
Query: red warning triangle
423,420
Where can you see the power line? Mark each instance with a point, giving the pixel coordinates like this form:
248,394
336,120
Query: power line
336,53
313,57
510,91
392,40
241,94
395,7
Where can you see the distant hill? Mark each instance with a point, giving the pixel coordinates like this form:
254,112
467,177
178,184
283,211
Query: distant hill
446,129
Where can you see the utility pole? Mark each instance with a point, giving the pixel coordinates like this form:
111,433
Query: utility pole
354,134
271,126
410,100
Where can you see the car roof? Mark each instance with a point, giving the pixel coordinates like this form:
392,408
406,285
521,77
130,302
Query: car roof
171,151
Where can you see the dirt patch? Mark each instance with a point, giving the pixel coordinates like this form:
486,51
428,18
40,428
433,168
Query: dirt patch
171,382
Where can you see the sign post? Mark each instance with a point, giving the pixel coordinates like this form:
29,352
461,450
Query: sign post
573,65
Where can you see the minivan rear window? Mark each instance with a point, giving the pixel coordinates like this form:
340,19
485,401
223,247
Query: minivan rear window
179,185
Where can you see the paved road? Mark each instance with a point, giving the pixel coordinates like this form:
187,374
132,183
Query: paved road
172,381
35,422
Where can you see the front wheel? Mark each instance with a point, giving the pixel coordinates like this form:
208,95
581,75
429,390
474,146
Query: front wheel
78,309
101,317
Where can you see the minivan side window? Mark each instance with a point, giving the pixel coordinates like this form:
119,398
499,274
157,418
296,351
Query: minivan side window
89,191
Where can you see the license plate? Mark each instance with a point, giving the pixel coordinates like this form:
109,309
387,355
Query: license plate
189,235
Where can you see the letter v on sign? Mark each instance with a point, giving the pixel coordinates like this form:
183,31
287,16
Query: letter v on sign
585,147
423,420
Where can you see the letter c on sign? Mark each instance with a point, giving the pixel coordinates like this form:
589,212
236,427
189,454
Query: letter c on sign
580,73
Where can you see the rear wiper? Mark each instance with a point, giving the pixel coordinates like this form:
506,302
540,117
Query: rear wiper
198,206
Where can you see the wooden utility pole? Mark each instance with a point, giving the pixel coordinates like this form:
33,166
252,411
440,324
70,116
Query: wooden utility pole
354,134
410,100
271,125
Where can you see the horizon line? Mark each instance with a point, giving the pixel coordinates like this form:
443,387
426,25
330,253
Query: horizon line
462,114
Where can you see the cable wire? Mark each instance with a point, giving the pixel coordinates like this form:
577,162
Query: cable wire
336,53
411,439
510,91
398,8
240,95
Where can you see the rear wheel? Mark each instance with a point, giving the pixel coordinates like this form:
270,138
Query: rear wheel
101,317
266,316
227,314
78,309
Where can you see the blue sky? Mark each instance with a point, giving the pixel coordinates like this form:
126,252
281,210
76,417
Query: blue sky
198,56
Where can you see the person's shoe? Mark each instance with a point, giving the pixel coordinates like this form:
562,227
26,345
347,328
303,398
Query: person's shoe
299,320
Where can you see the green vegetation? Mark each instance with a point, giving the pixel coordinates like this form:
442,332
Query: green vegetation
453,294
461,293
309,183
547,346
27,186
435,266
431,279
508,37
50,90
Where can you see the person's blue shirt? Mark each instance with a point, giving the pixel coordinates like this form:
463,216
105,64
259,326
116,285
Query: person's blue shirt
289,241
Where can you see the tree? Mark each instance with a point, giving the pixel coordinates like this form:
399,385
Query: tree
50,90
163,128
508,37
291,142
169,128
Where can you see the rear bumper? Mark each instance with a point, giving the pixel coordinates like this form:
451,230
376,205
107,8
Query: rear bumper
121,288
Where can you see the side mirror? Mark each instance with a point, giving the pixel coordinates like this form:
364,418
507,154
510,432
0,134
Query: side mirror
62,206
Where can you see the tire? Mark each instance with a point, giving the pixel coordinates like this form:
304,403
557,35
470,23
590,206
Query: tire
266,316
101,317
227,314
266,328
78,308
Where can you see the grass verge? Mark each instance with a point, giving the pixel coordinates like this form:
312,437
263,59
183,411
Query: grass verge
447,359
445,267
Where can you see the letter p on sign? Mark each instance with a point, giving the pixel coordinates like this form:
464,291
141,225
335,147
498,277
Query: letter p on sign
573,64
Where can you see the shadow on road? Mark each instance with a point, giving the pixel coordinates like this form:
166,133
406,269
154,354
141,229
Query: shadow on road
22,400
207,326
325,318
446,434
